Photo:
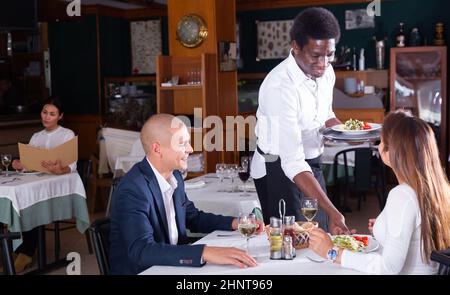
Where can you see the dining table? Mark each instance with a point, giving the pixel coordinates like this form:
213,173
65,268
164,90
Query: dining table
30,200
306,261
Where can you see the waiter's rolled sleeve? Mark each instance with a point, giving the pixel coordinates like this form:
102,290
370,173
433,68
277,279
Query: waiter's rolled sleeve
290,144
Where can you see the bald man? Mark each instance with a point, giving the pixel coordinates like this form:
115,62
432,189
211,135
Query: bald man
150,210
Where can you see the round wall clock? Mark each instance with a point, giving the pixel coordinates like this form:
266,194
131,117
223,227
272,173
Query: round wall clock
191,30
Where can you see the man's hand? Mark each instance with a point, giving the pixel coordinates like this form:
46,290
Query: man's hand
55,167
228,255
336,224
17,165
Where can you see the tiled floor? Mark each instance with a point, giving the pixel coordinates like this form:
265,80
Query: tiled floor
73,241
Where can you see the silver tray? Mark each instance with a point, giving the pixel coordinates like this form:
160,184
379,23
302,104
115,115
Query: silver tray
332,135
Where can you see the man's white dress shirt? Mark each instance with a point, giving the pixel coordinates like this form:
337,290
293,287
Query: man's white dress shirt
167,189
292,108
50,139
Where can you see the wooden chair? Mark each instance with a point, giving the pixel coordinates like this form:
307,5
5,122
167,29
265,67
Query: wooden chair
96,182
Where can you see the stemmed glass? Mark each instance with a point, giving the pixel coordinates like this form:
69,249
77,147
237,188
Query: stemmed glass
6,161
309,209
232,171
247,226
221,170
244,175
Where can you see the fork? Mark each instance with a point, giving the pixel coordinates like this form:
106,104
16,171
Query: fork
12,180
316,260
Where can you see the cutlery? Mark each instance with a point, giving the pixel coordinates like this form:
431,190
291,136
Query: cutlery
12,180
316,260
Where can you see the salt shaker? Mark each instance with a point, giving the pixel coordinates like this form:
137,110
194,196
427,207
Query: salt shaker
275,238
288,249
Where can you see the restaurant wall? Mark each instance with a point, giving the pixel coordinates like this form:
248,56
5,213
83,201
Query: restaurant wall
424,14
73,46
73,58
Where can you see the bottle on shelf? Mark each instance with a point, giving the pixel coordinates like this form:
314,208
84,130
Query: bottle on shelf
362,62
400,39
414,38
354,60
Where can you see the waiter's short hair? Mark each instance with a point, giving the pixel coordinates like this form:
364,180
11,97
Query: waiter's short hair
315,23
54,100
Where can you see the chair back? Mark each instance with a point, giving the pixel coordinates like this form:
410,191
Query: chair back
443,258
99,230
8,263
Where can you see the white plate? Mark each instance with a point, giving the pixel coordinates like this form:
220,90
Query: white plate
340,128
373,244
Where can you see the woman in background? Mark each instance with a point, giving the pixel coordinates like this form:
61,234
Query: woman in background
52,136
416,218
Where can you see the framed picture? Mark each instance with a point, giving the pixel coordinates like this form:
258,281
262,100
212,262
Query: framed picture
358,19
274,41
146,45
227,56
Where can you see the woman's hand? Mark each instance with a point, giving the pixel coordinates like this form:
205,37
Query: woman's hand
370,225
55,167
320,242
17,165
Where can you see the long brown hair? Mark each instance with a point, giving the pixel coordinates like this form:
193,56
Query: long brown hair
414,157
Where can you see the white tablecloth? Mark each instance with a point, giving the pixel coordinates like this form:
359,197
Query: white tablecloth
210,200
331,149
259,248
27,190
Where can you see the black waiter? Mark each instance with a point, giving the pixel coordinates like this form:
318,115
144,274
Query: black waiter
295,102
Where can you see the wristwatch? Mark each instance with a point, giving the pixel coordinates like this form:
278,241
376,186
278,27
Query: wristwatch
332,254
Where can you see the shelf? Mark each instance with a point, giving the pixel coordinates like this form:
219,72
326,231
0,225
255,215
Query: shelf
130,79
421,78
181,87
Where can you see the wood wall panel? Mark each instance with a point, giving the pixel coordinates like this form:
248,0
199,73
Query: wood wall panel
206,9
86,127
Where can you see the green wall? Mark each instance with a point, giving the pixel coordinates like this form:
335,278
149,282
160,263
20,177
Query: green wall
423,14
73,57
73,61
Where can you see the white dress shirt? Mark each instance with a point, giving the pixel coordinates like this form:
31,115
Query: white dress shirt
292,108
398,230
167,189
54,138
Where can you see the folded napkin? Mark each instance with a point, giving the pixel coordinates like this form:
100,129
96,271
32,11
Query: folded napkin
249,187
194,184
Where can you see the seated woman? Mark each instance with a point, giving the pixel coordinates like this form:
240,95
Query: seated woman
52,136
416,218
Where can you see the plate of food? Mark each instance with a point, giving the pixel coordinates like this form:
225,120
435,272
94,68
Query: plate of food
356,243
355,127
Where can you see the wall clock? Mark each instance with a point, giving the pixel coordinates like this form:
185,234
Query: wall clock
191,30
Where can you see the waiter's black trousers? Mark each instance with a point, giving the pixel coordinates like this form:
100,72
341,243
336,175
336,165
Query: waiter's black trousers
276,186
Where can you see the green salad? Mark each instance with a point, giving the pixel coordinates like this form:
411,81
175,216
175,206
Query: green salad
348,242
353,124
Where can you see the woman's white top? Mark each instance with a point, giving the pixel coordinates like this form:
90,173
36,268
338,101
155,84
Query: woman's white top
50,139
398,230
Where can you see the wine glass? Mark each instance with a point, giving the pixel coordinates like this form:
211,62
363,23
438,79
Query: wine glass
244,175
232,174
6,161
309,209
245,163
247,226
221,170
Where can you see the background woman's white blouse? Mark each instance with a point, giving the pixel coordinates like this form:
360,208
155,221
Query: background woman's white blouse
48,140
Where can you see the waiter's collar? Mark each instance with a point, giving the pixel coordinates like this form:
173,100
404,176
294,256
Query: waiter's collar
296,73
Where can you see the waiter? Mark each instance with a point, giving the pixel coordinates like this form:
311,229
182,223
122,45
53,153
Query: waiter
295,102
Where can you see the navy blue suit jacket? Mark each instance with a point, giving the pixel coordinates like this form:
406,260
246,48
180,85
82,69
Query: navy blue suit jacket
139,236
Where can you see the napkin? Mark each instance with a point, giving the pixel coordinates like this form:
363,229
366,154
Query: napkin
194,184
